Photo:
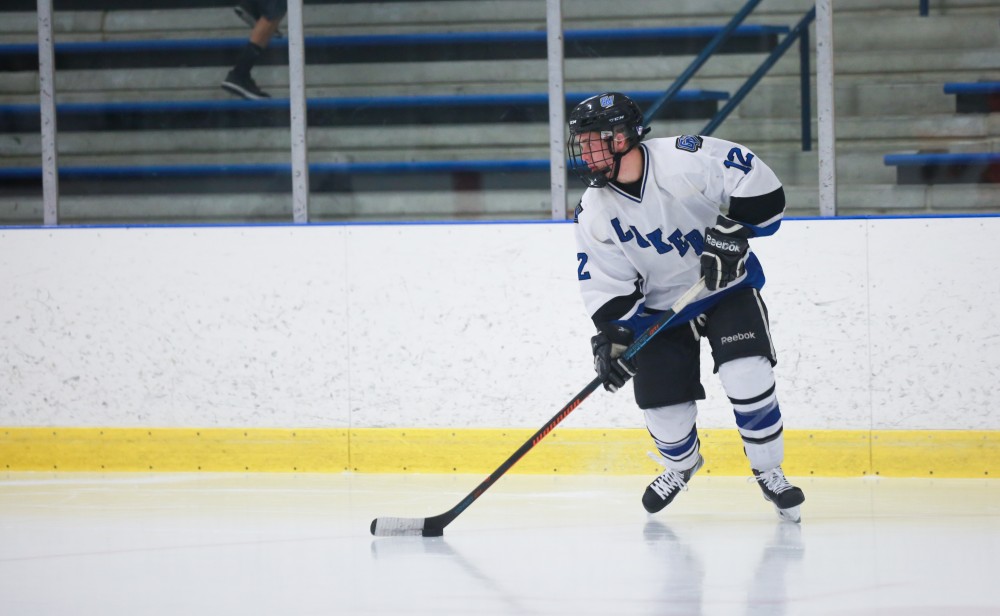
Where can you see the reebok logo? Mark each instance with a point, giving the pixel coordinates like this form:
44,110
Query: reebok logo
727,246
738,337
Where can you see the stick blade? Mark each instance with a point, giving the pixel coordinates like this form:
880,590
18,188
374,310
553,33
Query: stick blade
405,527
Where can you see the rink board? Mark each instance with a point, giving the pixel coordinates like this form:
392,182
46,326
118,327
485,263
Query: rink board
315,348
827,453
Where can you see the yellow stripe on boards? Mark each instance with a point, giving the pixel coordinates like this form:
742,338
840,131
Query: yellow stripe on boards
821,453
173,449
936,453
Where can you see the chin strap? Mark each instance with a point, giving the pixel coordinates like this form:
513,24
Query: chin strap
618,161
616,167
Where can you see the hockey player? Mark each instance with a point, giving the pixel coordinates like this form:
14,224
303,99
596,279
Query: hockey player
656,217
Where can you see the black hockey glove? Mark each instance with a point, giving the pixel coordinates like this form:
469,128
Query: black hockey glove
613,369
724,257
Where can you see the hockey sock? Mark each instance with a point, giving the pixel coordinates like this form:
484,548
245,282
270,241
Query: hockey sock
674,434
749,383
248,57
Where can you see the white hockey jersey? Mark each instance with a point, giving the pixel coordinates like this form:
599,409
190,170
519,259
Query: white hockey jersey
637,253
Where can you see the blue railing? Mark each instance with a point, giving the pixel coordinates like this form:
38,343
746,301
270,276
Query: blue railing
711,48
799,33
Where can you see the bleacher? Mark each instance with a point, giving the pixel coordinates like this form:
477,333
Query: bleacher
946,167
420,47
977,97
350,111
961,166
424,109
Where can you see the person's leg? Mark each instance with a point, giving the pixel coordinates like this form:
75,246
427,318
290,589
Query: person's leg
239,81
667,385
749,384
250,12
676,436
740,335
262,31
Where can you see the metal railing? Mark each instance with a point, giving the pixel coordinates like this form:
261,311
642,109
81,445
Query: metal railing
799,33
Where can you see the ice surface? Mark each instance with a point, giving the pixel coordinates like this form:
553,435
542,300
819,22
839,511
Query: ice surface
223,544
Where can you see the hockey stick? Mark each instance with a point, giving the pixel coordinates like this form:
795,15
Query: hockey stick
434,526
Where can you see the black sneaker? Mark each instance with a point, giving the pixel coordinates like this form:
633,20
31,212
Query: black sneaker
665,487
249,12
785,497
243,85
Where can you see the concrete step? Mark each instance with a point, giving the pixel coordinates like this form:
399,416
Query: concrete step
465,109
798,169
459,15
793,167
857,98
890,67
766,136
430,205
895,33
182,180
893,199
270,145
490,46
448,205
853,69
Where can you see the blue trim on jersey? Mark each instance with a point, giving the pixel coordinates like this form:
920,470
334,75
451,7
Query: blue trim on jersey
762,231
645,318
642,187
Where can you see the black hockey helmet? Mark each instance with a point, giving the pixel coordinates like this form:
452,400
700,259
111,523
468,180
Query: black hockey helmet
607,114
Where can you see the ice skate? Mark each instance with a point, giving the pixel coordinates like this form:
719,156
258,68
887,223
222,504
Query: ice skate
785,497
665,487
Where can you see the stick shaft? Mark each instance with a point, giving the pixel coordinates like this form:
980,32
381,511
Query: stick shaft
434,526
517,455
682,302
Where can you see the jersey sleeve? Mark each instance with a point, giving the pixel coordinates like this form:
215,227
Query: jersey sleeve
755,196
609,283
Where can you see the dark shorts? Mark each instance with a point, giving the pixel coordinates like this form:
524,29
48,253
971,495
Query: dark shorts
669,366
273,10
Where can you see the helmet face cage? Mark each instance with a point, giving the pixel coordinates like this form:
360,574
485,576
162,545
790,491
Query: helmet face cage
593,127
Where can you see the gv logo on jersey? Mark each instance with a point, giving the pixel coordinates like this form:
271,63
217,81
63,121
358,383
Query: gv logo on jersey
682,242
688,143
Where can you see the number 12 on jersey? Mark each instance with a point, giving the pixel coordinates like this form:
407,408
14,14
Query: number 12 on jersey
738,160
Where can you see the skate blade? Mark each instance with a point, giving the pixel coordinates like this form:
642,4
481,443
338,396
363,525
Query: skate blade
792,514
